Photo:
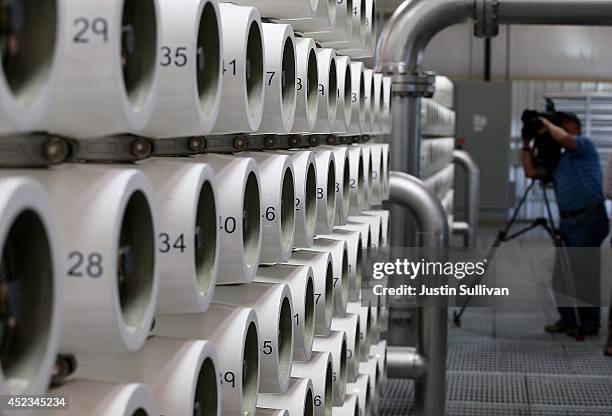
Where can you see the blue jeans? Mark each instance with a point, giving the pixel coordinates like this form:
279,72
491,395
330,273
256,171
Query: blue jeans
586,231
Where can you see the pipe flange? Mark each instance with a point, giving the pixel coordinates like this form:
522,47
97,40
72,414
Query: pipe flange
422,84
486,18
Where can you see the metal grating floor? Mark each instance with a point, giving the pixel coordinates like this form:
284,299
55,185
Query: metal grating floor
501,363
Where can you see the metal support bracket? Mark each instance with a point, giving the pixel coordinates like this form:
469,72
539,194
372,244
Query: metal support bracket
486,19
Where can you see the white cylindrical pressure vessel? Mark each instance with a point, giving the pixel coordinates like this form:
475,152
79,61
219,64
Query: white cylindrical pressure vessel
320,370
344,95
374,222
386,171
188,98
384,225
378,104
379,351
281,9
187,237
361,389
367,253
339,37
186,383
367,175
239,208
234,332
350,407
278,206
339,252
358,95
107,236
359,30
323,273
306,85
350,325
30,63
31,271
328,91
365,326
356,181
335,344
370,96
370,31
354,256
107,67
323,20
370,367
274,305
375,313
280,79
243,90
387,100
376,168
298,399
305,178
300,280
97,398
342,185
326,190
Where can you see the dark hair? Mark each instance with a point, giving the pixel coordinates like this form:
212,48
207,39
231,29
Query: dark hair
570,118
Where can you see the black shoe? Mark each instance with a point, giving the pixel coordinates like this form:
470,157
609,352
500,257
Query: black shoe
585,332
558,327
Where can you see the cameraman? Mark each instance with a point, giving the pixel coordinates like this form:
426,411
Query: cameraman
584,223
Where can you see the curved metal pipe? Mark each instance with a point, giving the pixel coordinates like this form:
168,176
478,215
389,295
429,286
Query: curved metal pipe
405,362
464,160
432,331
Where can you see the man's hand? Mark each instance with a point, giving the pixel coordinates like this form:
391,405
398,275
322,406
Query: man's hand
561,136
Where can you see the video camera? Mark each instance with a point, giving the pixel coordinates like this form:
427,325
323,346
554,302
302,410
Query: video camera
546,151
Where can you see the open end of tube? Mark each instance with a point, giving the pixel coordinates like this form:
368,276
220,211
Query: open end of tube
250,366
310,203
368,341
332,96
370,170
368,404
329,292
140,412
349,16
362,20
374,25
331,191
27,43
309,311
205,400
287,218
345,276
285,340
27,296
329,387
205,238
254,69
250,220
381,107
356,411
358,265
372,109
346,185
138,49
208,56
361,180
288,76
312,83
308,403
362,100
342,374
348,81
135,261
357,352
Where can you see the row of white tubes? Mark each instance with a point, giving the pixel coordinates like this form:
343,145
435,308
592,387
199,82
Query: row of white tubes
213,285
181,68
250,264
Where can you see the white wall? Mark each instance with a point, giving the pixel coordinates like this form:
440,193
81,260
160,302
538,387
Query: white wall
525,52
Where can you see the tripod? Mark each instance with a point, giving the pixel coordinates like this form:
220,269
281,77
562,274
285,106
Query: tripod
548,224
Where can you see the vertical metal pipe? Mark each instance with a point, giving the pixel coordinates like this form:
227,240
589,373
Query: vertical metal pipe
464,160
430,389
